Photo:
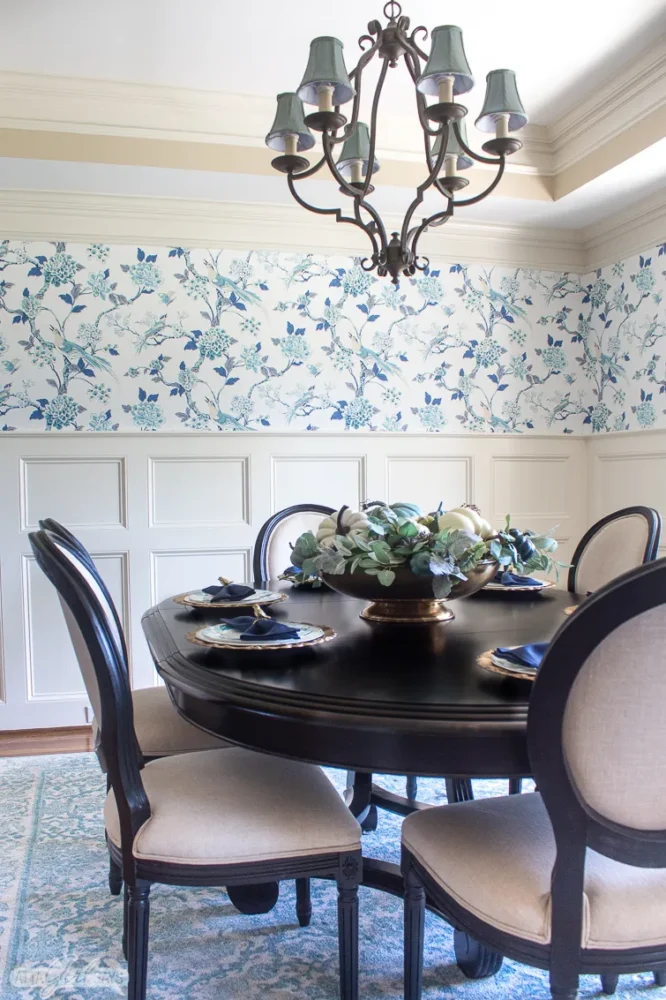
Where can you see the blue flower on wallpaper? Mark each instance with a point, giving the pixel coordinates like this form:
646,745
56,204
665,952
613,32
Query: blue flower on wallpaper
104,339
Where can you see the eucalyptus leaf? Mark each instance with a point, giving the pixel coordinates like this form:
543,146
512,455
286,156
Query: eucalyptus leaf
386,577
442,586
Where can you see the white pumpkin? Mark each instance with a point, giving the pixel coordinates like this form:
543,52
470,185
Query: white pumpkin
344,522
470,513
486,529
454,520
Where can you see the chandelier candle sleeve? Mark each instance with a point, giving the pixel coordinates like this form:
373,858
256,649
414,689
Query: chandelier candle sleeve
439,76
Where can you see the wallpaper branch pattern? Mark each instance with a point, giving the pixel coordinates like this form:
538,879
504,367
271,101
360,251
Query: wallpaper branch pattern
95,338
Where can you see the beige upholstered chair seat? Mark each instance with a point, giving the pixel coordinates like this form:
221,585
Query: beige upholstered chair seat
160,730
495,858
235,806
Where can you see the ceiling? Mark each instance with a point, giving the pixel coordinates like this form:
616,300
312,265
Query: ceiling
161,98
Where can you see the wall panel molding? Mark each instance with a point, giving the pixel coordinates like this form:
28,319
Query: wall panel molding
174,502
65,487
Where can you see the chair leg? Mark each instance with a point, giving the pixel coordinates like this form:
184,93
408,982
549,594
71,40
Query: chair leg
563,987
348,939
412,786
303,901
125,921
660,978
609,981
414,923
515,786
115,878
138,915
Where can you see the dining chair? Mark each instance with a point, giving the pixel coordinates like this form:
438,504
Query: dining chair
272,552
209,818
617,543
572,878
159,727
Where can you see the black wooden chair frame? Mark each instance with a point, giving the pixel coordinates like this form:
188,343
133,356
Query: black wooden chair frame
262,544
124,766
653,520
575,826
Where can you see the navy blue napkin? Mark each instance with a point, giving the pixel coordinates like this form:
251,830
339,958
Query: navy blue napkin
513,580
523,656
261,628
228,592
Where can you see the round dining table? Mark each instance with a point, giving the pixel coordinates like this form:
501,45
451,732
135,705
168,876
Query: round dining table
406,699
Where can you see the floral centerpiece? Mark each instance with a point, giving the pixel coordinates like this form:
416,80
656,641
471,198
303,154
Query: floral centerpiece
408,563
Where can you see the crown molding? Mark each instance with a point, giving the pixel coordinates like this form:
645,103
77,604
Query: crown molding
82,217
81,106
634,93
629,232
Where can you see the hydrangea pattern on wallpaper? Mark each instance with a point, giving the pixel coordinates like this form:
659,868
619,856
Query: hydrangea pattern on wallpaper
95,338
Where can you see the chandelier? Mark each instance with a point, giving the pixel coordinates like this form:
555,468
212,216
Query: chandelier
328,86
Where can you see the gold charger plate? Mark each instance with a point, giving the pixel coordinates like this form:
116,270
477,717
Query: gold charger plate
326,635
253,601
499,588
485,661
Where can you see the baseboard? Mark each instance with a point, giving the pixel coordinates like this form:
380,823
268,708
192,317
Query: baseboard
31,742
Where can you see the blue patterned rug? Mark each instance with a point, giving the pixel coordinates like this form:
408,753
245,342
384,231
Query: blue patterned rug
60,930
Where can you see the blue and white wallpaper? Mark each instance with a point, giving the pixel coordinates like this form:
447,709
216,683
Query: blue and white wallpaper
98,338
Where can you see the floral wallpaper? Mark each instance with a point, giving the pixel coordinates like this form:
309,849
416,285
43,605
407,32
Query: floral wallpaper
94,338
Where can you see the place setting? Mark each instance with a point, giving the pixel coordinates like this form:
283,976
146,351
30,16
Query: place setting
518,662
255,631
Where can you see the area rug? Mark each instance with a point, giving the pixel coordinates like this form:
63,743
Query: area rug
60,929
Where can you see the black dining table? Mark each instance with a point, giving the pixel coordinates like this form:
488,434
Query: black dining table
407,699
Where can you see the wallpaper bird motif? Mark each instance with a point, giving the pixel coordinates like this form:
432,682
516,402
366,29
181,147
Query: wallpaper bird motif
98,338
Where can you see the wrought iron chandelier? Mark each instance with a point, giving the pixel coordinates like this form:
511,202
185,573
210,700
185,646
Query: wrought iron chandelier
446,74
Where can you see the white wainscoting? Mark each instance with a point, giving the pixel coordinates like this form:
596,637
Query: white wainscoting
626,470
163,513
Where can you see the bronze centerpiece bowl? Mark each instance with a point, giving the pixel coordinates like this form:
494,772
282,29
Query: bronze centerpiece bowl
410,598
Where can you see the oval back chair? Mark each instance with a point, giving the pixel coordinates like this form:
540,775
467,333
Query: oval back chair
272,554
573,878
232,818
615,544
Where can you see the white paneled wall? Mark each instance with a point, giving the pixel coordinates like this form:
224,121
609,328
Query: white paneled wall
625,470
165,513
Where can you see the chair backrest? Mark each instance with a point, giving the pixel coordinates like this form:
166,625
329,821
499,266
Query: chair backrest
60,531
596,735
272,554
615,544
105,674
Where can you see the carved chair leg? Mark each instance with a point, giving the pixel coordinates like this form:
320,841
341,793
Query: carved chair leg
303,901
138,904
115,878
660,978
459,790
348,938
609,981
412,786
414,910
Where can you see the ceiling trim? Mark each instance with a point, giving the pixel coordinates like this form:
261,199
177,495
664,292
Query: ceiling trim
637,228
620,118
83,217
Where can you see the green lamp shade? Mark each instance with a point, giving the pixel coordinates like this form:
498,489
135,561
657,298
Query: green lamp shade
453,147
447,58
501,99
326,65
289,121
357,147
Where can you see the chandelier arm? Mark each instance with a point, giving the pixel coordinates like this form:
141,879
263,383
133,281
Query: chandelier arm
358,196
355,75
428,182
484,194
492,160
367,228
337,212
373,126
412,40
413,66
438,219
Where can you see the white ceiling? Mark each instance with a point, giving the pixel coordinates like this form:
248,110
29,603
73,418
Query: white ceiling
560,51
